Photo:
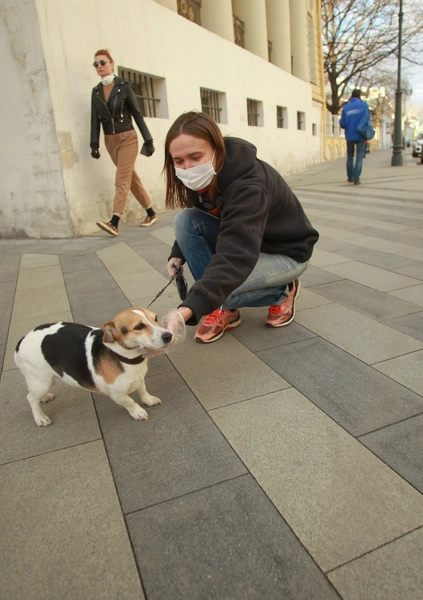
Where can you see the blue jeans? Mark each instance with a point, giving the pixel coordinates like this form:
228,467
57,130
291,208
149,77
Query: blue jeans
197,232
354,170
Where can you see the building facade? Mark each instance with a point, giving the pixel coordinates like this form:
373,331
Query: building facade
254,65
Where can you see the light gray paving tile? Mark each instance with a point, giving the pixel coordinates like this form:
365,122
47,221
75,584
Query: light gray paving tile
72,413
35,261
339,499
41,302
121,257
60,510
19,328
356,396
223,373
165,235
408,370
388,246
415,271
178,450
383,260
401,447
330,245
309,299
362,337
39,277
413,294
365,300
379,279
321,258
411,325
393,572
224,542
142,284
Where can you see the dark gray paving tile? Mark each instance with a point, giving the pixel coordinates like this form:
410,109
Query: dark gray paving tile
227,542
80,263
91,280
7,292
316,276
376,258
95,308
9,272
255,336
365,300
9,258
2,352
411,325
401,447
177,451
415,271
350,392
330,245
5,315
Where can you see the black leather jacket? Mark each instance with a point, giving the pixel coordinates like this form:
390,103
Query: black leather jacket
116,114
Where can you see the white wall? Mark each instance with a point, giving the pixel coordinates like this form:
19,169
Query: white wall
144,36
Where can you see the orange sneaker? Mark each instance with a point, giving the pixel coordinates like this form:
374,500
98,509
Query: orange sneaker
284,314
215,324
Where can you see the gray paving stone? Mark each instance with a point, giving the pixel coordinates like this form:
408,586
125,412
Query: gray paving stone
80,263
72,413
5,314
40,303
353,394
407,370
316,276
401,447
392,572
9,258
366,300
177,451
90,280
59,511
415,270
379,279
382,260
411,325
225,372
39,277
95,308
9,272
224,542
339,499
412,294
7,292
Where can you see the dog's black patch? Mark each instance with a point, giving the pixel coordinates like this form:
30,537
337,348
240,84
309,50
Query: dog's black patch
18,345
99,350
65,352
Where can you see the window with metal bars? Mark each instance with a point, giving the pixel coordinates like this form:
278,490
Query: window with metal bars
143,85
210,103
191,10
252,112
281,120
300,121
239,31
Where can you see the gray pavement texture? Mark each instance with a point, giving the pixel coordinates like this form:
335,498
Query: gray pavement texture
282,464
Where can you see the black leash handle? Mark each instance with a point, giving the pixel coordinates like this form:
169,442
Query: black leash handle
181,285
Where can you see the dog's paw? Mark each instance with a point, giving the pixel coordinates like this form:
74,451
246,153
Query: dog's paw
138,413
48,397
42,420
150,400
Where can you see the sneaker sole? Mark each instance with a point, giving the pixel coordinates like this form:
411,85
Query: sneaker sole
293,310
148,224
219,335
107,229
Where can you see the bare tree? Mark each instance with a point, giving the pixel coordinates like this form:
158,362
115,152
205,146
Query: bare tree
359,36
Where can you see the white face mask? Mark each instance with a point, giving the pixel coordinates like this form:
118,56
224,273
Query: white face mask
107,80
197,178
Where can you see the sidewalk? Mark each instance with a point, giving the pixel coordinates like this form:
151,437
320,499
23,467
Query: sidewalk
282,464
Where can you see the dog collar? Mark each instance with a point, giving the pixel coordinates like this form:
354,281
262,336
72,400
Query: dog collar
129,361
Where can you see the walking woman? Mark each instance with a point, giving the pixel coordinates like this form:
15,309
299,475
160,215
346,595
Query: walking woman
242,231
113,104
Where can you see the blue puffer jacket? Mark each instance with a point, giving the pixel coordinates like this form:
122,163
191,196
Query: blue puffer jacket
351,116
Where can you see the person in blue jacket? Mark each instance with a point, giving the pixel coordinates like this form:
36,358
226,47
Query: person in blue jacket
352,113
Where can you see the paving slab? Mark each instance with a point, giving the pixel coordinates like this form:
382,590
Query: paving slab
393,572
379,279
338,498
170,454
95,308
225,542
412,294
360,336
356,396
383,260
407,370
59,511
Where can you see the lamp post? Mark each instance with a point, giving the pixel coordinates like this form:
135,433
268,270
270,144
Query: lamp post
397,149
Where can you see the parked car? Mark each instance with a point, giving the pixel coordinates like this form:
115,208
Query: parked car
416,145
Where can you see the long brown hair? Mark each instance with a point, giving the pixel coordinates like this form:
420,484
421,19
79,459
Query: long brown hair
199,125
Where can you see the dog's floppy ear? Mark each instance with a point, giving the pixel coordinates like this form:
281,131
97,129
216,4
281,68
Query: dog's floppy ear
109,332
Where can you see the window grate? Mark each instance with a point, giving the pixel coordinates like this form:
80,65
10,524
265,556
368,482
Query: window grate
210,103
239,31
252,112
143,85
191,10
280,117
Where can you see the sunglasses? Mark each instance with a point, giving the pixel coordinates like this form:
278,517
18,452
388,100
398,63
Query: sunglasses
101,62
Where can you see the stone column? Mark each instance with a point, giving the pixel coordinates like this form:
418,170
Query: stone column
299,44
216,16
253,13
279,33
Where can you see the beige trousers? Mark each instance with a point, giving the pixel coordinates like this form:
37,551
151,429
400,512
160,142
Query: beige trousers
123,150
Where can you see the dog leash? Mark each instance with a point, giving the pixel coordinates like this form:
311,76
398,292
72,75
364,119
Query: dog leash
181,285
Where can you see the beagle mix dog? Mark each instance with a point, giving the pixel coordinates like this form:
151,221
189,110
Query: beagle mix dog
111,360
